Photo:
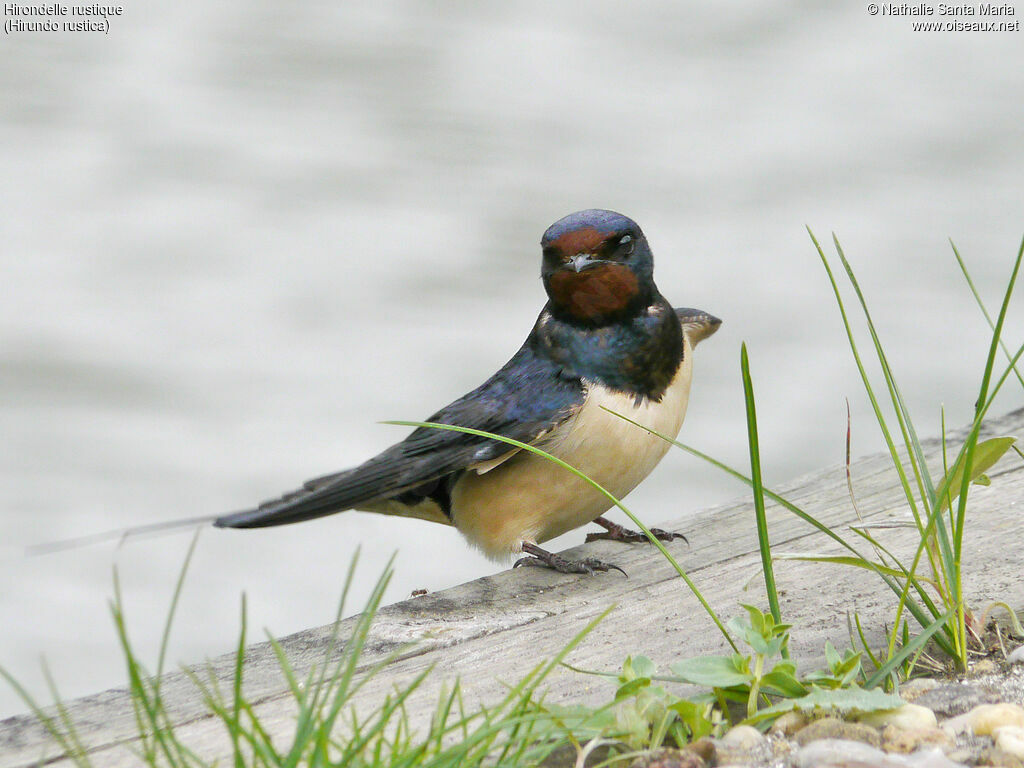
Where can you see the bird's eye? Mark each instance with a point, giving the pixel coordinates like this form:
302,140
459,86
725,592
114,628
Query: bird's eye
626,244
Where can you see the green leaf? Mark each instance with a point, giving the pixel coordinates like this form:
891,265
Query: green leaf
696,716
759,643
843,700
631,688
712,671
641,666
910,647
986,454
783,683
760,622
831,656
856,562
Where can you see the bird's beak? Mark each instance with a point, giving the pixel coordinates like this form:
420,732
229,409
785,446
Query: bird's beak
581,261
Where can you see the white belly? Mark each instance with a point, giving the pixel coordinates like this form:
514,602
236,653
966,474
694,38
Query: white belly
528,498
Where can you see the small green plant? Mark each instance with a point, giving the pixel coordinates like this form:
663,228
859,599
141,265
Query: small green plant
647,715
752,688
744,679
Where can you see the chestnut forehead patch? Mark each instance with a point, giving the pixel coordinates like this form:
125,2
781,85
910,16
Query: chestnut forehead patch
584,240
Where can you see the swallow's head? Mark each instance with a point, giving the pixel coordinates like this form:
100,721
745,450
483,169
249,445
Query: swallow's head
597,267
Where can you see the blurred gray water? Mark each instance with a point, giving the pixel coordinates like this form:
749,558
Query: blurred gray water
236,236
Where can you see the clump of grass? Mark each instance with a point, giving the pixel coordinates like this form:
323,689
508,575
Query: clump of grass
938,504
329,731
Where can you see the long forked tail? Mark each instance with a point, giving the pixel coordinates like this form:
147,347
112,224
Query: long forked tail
120,535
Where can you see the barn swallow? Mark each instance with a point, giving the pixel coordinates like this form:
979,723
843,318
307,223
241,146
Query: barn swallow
606,339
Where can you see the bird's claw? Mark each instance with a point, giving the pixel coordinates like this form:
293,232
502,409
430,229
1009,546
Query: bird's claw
542,559
616,532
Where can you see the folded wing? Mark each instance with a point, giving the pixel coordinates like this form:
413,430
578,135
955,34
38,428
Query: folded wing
528,398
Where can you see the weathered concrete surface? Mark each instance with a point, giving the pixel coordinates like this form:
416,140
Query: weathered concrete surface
497,628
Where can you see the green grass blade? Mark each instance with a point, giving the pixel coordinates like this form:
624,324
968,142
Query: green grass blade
899,404
603,491
879,417
763,541
981,306
235,723
895,660
855,562
64,735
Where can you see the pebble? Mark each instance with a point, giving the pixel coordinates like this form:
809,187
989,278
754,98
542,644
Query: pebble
908,716
984,667
1010,739
984,719
838,753
744,737
954,726
789,723
668,758
832,728
742,745
1016,655
911,739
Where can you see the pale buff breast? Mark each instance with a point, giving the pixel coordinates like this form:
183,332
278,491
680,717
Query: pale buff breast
528,498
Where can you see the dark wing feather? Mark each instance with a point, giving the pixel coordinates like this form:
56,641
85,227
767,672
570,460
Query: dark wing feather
525,399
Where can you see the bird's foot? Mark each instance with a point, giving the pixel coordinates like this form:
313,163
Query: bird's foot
541,558
616,532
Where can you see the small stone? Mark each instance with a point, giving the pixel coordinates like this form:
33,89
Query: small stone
567,756
984,719
836,753
781,749
911,739
744,737
1016,655
668,758
834,729
742,745
839,753
789,723
704,748
907,716
953,699
931,758
954,726
984,667
962,756
1010,739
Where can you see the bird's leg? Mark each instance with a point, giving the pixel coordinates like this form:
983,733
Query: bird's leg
615,532
544,559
